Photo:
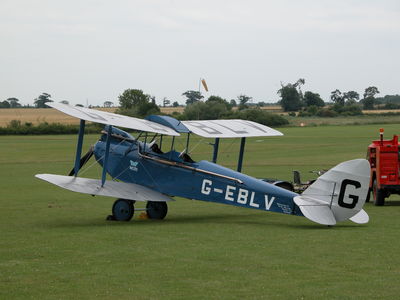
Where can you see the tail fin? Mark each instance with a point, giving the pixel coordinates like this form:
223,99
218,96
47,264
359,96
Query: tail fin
338,195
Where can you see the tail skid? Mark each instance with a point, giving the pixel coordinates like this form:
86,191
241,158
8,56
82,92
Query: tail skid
337,195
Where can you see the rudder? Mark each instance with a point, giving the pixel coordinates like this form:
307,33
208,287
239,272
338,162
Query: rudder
343,189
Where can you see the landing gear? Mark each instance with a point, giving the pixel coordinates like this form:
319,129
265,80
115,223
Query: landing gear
156,210
122,210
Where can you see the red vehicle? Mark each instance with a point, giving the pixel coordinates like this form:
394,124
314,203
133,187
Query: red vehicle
383,156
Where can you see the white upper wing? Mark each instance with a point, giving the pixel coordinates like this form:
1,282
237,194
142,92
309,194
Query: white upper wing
229,128
112,119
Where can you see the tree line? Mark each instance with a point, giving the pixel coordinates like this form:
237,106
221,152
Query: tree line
292,99
134,102
309,103
40,102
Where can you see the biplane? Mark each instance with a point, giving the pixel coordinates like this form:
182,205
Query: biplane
148,168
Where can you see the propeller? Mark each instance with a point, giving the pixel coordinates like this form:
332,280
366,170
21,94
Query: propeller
83,161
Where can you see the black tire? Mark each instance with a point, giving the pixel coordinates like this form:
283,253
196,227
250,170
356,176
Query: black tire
379,195
156,210
368,195
123,210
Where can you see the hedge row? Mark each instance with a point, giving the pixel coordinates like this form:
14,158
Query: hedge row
15,127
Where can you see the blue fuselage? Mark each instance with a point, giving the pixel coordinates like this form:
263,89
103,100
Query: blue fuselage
168,173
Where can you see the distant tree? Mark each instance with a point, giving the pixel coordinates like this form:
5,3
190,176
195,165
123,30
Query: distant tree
243,99
5,104
345,103
132,98
145,109
209,110
291,95
40,102
291,99
369,97
196,111
337,97
298,84
260,116
13,102
166,102
192,96
233,103
134,102
64,102
175,104
351,97
79,105
313,99
310,110
368,103
219,100
388,99
371,92
108,103
391,105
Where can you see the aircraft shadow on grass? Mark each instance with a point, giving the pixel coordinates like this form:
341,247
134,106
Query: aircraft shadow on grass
248,220
392,203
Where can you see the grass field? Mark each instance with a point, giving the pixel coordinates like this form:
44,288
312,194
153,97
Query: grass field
38,115
56,244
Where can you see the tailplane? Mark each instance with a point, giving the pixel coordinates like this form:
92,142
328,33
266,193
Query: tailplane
338,195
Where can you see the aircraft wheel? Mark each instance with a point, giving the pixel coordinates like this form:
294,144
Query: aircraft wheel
379,195
156,210
122,210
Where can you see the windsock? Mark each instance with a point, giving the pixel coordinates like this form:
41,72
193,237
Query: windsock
203,82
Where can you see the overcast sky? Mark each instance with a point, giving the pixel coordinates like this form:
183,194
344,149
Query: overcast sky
93,50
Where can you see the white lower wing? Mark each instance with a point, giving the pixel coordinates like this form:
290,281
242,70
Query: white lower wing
114,189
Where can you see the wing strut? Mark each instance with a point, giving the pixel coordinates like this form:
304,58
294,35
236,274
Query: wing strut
79,147
103,175
215,154
241,153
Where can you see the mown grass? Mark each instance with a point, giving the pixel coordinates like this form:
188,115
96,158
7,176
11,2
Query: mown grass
56,244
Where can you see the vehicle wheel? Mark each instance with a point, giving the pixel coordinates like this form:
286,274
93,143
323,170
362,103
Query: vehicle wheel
123,210
379,195
368,195
156,210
